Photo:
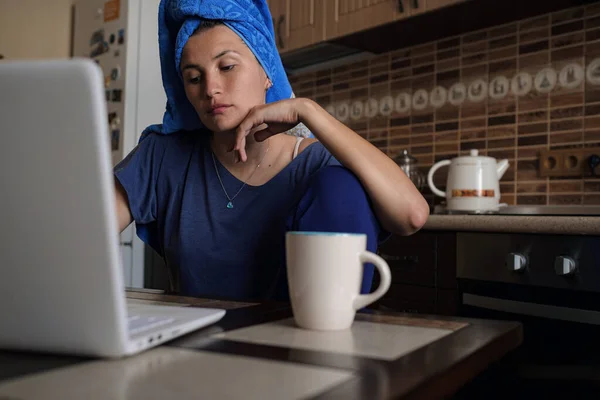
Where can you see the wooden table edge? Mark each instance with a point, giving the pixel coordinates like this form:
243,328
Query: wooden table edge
443,379
452,378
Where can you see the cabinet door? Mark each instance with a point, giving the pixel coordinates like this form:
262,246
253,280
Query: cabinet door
304,23
277,9
409,299
348,16
417,7
297,23
412,259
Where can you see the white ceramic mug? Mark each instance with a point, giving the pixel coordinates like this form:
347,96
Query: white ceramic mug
325,272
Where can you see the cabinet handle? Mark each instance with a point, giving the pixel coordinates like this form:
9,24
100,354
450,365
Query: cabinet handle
411,259
279,37
400,6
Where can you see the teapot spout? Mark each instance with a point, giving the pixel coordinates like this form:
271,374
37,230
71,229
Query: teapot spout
501,167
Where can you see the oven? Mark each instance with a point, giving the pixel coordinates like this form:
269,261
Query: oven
551,283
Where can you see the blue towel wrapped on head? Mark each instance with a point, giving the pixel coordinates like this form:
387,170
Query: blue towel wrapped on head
177,21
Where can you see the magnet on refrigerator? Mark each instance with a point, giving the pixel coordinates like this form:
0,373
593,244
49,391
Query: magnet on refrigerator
111,117
115,73
116,95
97,37
114,139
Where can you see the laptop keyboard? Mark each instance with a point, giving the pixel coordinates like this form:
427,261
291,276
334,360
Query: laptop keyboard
138,323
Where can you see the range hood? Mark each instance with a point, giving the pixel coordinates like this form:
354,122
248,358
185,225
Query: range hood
320,56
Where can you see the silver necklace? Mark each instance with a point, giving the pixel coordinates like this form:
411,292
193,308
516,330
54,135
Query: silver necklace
230,204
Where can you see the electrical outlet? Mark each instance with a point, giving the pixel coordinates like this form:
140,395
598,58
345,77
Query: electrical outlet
570,162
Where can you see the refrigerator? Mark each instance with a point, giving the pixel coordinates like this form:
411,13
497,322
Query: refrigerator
122,37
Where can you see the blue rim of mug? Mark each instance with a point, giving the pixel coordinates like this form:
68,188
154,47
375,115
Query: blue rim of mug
316,233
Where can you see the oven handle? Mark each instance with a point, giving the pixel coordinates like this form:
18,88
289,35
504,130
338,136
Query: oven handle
533,309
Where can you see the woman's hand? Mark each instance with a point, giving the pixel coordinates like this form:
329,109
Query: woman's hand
267,120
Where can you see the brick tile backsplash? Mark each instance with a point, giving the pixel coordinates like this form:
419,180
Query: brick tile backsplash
509,91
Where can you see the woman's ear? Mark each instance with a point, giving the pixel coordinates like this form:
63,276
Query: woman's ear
268,84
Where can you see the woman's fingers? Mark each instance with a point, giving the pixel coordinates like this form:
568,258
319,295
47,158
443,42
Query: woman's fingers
265,121
242,131
253,122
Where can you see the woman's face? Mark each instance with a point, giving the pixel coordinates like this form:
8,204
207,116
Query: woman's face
222,78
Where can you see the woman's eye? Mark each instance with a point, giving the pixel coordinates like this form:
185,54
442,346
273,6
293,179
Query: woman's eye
195,79
227,68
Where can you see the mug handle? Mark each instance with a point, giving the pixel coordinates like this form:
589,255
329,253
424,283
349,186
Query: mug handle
363,300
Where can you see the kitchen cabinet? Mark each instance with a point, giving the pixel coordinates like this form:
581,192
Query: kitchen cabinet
301,23
343,17
297,23
423,268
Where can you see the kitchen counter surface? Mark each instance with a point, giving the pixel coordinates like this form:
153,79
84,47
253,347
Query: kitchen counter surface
549,224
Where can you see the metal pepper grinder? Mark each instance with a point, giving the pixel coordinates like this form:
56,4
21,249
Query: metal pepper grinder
409,165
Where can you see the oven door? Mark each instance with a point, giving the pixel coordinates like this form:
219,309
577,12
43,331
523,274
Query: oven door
558,356
560,313
559,326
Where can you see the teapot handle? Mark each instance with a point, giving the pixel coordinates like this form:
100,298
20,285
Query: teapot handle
430,177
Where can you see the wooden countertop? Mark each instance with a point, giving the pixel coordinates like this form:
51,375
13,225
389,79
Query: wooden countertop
257,351
564,225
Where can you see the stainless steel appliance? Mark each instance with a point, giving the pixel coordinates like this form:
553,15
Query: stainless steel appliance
552,284
121,36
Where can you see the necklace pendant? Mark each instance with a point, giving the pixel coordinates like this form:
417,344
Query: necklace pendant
230,205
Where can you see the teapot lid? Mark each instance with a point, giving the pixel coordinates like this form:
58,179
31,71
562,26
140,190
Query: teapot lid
405,158
474,153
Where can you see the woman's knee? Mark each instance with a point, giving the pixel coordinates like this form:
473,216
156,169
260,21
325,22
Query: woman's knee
335,200
338,190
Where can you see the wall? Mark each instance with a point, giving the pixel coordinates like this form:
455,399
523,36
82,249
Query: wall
33,29
388,100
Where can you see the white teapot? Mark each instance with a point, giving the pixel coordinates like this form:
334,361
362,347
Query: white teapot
473,182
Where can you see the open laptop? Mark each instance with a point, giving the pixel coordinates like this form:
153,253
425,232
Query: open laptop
61,280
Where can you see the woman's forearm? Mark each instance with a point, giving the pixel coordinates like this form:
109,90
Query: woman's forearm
397,203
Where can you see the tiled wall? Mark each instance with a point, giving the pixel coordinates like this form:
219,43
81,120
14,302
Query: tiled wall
383,100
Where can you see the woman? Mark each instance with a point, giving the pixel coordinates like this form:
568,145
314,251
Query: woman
216,186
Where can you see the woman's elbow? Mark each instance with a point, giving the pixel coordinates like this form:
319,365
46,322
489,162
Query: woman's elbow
407,221
418,216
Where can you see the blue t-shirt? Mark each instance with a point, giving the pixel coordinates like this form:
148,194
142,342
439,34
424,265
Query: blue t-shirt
175,195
